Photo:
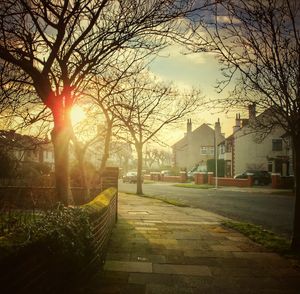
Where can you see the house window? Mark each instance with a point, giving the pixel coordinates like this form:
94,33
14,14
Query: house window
203,150
277,145
207,150
228,147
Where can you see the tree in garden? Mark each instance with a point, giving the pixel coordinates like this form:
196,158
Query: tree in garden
145,107
158,156
55,47
258,45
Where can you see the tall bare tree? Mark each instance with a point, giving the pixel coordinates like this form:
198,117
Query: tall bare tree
56,46
146,107
258,45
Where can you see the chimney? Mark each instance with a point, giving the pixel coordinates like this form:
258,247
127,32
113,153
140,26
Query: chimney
218,127
238,122
252,111
189,126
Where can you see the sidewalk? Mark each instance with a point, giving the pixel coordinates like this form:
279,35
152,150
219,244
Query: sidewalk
157,248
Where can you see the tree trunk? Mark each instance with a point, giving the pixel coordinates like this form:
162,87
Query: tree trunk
83,177
60,139
105,155
139,150
80,154
61,136
296,229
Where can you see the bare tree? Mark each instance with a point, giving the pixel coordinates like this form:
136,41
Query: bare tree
258,45
156,155
55,47
146,107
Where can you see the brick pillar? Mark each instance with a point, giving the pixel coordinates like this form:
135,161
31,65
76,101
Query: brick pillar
200,178
250,180
275,181
210,178
197,178
151,176
109,178
183,177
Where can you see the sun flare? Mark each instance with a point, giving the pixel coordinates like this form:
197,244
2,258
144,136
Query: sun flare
77,114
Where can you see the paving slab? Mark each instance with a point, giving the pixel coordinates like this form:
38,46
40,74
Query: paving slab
164,249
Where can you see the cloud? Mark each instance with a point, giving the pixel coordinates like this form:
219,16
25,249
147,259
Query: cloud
227,20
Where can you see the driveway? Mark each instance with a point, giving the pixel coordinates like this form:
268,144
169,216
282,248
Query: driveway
256,205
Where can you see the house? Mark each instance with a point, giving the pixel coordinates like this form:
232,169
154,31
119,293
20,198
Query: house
197,146
249,148
25,148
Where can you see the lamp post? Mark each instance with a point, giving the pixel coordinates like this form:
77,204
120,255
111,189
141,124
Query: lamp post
216,160
216,156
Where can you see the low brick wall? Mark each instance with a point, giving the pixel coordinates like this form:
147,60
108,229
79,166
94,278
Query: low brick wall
147,177
230,182
200,178
103,213
279,182
157,176
29,270
227,182
171,179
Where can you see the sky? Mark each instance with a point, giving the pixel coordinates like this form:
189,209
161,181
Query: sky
200,70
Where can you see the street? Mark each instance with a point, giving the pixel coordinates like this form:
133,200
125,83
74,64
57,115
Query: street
272,211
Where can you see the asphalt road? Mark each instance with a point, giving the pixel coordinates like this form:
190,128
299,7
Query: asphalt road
272,211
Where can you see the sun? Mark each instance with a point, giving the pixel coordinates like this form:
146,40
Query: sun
77,114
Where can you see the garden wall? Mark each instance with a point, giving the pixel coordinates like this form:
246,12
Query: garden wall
208,178
279,182
33,269
157,176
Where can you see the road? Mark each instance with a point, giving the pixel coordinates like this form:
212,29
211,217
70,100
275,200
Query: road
272,211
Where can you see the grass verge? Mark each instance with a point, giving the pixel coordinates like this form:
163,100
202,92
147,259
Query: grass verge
266,238
194,186
169,201
147,182
262,236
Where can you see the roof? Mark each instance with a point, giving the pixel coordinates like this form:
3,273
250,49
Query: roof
11,139
183,142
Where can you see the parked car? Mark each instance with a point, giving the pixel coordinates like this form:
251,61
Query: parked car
131,177
260,177
165,172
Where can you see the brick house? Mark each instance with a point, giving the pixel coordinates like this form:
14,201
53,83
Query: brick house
197,146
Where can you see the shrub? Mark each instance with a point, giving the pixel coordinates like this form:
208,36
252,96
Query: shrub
63,234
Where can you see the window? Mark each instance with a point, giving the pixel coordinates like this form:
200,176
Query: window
203,150
277,145
207,150
228,147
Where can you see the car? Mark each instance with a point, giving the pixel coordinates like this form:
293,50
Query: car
260,177
131,177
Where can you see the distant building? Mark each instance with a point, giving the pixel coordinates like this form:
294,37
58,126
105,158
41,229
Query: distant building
24,148
247,148
197,146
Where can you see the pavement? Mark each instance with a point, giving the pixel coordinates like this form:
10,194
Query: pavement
158,248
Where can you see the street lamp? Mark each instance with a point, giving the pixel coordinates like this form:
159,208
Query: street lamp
216,156
216,159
